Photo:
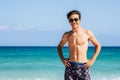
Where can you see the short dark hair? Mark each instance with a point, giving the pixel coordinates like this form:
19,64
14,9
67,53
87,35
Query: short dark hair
74,12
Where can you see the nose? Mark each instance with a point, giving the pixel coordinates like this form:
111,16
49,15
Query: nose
74,21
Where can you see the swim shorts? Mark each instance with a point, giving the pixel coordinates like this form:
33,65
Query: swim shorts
77,71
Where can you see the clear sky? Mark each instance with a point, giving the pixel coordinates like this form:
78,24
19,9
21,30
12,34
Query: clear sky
43,22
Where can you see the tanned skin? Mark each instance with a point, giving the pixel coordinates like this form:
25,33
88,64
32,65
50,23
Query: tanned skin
78,39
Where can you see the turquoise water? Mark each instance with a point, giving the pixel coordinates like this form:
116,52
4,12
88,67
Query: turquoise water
43,63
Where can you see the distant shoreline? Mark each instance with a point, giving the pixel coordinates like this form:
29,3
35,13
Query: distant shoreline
53,46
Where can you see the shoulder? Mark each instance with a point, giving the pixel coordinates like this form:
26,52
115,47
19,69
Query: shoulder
66,34
89,33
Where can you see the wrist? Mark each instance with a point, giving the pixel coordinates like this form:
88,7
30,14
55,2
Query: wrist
93,59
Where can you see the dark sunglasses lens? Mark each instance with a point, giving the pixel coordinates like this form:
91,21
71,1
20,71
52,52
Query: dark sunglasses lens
70,20
76,19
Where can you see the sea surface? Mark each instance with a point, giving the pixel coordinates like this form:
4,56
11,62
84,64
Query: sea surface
43,63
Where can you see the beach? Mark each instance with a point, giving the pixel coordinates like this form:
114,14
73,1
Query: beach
43,63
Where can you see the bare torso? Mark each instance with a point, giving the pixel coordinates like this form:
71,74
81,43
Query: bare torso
77,40
78,45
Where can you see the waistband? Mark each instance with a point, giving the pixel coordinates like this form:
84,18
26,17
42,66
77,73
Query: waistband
77,63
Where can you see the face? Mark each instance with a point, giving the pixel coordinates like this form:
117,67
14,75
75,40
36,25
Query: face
74,21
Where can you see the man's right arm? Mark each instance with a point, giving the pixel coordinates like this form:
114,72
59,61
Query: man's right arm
59,48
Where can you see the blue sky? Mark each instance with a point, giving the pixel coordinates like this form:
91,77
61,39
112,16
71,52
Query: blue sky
43,22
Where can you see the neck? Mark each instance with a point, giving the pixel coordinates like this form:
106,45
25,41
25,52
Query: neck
76,29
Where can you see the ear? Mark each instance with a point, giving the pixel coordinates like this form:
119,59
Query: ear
79,20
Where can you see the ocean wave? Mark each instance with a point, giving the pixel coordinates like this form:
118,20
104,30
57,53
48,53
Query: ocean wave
23,79
7,78
118,78
107,78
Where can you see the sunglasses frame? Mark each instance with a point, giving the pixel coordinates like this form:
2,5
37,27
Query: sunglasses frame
75,19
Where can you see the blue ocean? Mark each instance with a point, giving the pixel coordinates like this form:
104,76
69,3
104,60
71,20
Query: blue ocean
43,63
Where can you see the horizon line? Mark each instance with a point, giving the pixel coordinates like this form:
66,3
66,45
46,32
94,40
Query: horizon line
52,46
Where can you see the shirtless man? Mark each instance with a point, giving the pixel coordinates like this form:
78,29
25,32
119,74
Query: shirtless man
77,65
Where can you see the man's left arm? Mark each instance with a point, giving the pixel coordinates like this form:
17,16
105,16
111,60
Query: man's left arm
97,45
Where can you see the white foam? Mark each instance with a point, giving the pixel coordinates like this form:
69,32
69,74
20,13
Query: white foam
107,78
118,78
8,78
21,78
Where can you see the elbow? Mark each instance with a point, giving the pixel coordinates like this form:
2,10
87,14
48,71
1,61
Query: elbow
59,47
98,46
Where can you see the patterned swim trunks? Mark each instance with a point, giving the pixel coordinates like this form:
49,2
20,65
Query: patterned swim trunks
76,71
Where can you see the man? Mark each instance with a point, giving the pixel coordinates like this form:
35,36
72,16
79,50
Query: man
77,65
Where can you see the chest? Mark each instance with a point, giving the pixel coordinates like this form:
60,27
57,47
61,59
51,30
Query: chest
78,38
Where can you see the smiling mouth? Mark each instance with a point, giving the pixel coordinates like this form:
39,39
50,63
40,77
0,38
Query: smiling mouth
74,24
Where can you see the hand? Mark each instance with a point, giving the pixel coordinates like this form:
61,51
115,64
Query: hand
66,62
89,63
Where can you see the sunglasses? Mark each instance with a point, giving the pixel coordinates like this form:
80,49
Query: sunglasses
71,20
